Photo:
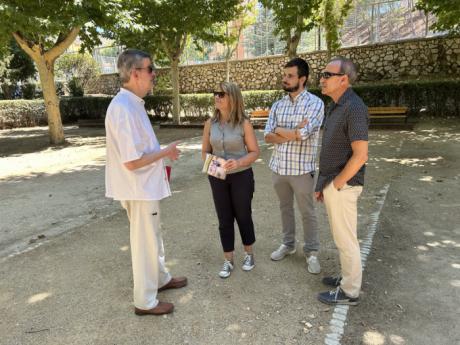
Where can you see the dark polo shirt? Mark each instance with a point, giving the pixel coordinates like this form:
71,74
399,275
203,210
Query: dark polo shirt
346,121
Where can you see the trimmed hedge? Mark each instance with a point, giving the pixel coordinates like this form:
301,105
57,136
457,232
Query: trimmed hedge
22,113
437,98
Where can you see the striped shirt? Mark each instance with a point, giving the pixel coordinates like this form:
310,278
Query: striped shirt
296,157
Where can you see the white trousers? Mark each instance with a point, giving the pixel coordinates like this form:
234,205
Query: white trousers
147,252
342,212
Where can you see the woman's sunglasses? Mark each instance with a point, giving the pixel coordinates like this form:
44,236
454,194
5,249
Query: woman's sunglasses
220,94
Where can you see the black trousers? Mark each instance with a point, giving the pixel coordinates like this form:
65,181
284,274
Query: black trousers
232,200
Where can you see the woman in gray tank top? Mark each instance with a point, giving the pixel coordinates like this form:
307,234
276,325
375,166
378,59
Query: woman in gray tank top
229,135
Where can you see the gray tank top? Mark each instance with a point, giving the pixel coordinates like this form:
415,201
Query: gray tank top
228,142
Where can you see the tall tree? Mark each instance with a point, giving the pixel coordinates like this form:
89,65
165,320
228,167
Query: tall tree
162,28
292,17
234,29
333,13
446,11
44,30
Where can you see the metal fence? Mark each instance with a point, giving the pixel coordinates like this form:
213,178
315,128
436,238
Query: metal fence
370,21
385,21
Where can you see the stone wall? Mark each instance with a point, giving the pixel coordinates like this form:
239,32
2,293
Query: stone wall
431,58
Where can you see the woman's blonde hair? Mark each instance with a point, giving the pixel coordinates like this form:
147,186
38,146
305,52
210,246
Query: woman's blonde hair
237,114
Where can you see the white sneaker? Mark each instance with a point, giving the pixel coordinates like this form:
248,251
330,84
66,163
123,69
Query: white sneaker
248,262
226,269
281,252
313,265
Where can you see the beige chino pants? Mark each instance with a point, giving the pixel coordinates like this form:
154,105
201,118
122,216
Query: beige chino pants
147,252
342,212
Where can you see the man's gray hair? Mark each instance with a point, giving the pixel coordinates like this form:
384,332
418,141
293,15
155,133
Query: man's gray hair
347,67
129,59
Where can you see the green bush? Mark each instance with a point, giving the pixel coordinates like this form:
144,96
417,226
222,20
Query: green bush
261,99
28,90
74,108
196,107
22,113
158,107
439,98
435,98
75,87
60,89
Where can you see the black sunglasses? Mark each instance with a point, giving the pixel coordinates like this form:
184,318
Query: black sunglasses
327,75
150,68
220,94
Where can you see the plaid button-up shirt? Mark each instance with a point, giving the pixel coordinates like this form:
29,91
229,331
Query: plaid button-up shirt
296,157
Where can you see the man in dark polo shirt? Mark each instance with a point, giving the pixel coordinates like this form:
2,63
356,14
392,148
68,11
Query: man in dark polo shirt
341,175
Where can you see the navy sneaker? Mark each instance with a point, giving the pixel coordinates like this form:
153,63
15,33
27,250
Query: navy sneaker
337,297
332,281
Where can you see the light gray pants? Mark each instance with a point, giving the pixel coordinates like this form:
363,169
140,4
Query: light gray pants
302,187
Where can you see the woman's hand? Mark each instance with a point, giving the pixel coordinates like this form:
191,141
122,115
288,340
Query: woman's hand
231,164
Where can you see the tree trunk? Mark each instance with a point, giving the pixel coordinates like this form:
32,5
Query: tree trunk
227,68
292,46
175,87
45,65
46,72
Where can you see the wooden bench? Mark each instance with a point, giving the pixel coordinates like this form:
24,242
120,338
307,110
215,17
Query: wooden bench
380,117
389,117
259,117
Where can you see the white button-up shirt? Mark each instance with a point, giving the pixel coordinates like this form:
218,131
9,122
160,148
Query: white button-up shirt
129,136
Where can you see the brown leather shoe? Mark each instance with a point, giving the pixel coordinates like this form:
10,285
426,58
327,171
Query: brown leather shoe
160,309
174,283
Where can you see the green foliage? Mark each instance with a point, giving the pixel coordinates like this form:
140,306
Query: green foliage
74,108
28,90
47,22
446,11
162,84
75,87
254,100
438,99
292,17
197,106
161,27
159,107
15,66
45,29
22,113
78,69
334,13
18,66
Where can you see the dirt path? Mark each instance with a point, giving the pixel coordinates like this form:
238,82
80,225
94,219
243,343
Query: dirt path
49,190
75,288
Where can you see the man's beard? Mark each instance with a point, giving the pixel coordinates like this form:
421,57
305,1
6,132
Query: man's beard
291,89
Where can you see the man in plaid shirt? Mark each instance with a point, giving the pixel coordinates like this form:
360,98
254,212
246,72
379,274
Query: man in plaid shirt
293,127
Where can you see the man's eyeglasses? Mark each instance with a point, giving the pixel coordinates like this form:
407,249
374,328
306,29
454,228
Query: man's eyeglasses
149,69
327,75
220,94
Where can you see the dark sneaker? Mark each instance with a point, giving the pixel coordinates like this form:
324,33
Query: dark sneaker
332,281
337,297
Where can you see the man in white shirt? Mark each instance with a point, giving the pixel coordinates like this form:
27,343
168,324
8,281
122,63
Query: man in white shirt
136,176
